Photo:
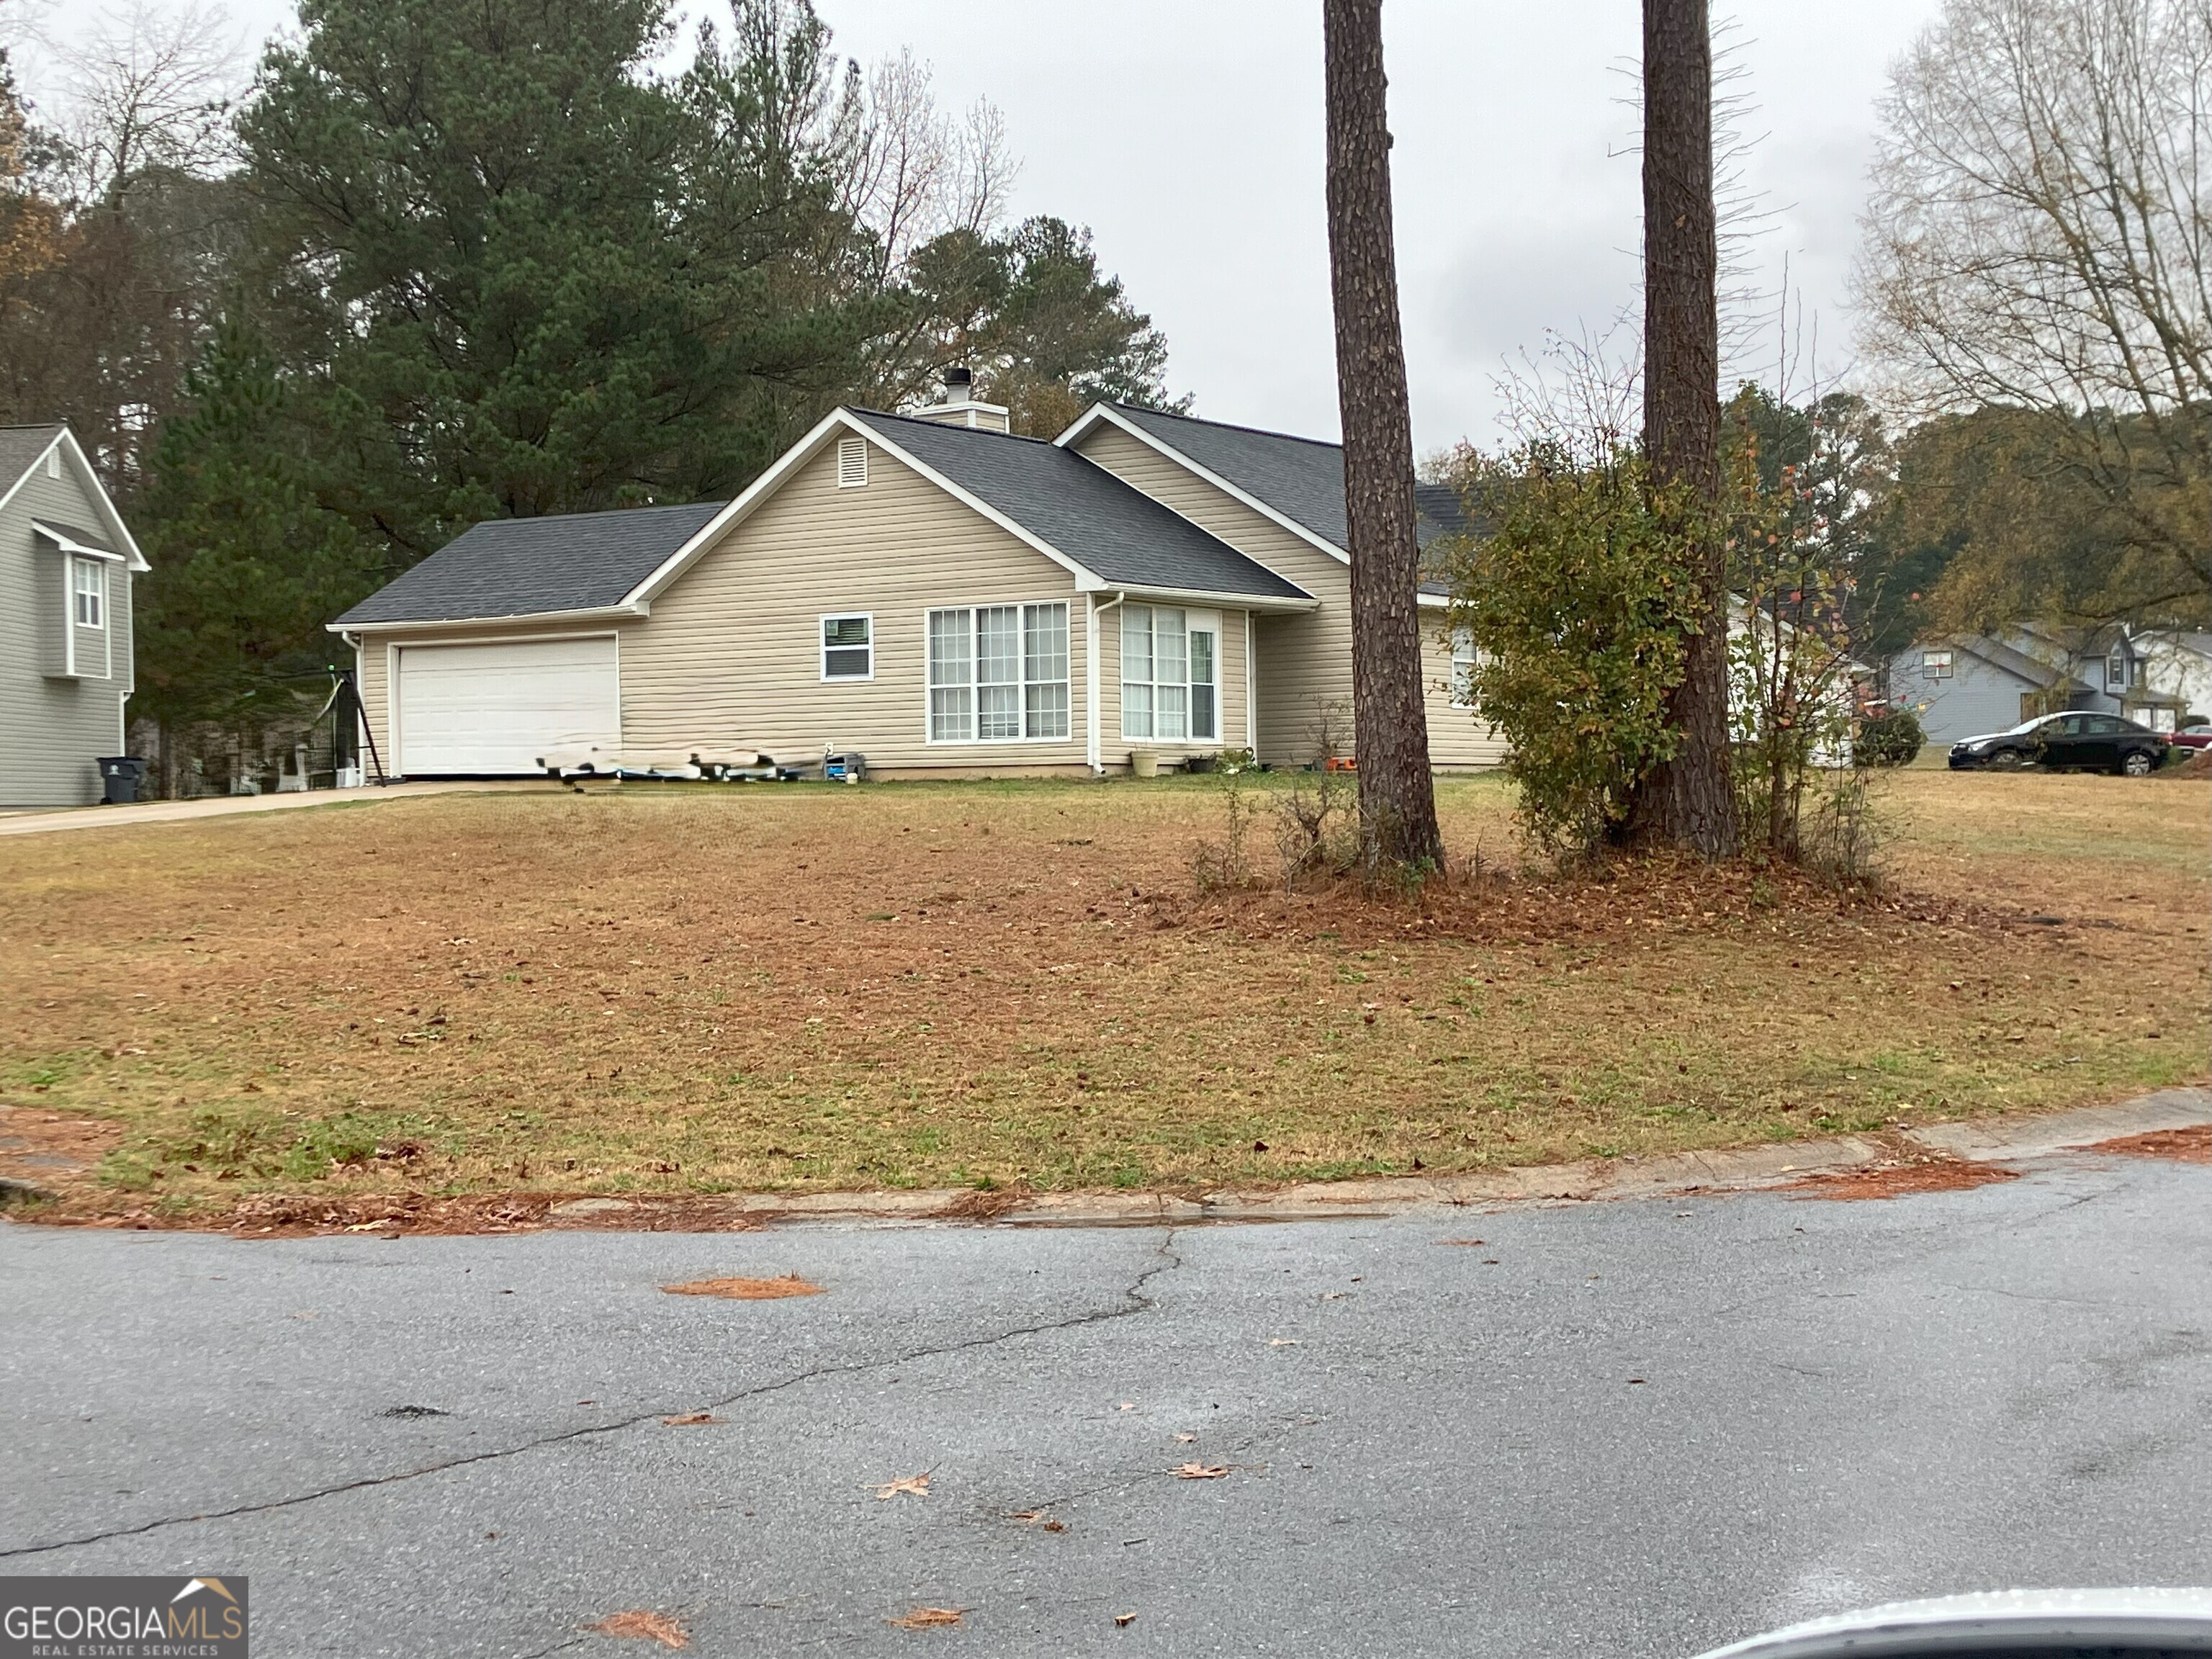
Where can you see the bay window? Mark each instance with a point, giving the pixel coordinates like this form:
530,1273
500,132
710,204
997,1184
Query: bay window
1170,674
998,673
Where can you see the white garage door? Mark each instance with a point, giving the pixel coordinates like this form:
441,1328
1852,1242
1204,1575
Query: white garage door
488,709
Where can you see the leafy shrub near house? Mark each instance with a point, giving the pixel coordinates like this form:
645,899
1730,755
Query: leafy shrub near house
1893,739
1577,607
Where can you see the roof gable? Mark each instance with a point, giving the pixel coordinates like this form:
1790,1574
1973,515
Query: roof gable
507,568
1116,534
23,448
1296,481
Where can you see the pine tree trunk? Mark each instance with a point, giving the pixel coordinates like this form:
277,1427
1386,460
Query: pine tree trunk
1688,800
1397,794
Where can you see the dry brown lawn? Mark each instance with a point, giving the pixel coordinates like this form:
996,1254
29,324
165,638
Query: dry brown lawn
1008,985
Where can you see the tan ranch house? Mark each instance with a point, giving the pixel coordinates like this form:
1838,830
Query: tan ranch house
925,590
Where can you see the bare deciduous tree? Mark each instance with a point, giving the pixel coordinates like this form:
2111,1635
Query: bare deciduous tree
1397,792
1687,798
2038,237
149,90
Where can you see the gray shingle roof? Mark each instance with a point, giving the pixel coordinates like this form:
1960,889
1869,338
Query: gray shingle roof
528,567
96,540
1117,532
1302,478
21,447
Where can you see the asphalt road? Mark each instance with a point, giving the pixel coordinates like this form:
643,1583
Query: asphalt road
1619,1429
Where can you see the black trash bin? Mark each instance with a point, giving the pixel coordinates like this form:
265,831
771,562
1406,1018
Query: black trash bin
122,775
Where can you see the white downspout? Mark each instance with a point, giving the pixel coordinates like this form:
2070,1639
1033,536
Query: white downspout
1094,749
1251,708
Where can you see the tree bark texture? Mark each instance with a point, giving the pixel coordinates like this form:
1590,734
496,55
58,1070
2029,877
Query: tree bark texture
1688,799
1397,792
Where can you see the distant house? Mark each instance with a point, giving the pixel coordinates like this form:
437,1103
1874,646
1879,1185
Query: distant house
1968,684
66,561
927,590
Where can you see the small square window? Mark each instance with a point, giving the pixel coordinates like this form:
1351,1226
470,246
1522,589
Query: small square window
1935,664
848,647
852,462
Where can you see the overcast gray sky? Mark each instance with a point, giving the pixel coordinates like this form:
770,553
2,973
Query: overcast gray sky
1187,135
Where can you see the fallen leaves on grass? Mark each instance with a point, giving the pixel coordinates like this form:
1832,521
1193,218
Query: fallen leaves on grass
638,1625
1899,1180
690,1419
914,1485
2189,1145
928,1618
746,1290
1201,1471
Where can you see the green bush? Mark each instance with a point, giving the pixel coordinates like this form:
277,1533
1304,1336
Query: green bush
1576,603
1893,739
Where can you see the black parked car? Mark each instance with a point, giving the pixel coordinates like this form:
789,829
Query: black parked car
2095,742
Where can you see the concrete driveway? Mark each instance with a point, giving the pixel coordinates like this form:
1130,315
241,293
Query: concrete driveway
43,821
1632,1428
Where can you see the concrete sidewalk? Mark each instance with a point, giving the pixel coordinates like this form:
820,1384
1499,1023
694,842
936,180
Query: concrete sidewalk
219,806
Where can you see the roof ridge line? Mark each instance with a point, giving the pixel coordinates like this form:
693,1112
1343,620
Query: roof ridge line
946,426
1229,425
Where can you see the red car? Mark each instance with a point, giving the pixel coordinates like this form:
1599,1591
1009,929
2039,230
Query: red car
2193,737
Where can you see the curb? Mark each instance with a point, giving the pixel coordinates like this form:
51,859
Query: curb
1743,1169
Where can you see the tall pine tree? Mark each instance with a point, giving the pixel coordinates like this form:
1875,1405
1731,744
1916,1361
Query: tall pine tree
246,564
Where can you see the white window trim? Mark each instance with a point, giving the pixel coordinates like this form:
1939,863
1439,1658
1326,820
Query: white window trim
930,739
79,567
852,462
1458,691
822,643
2116,682
1938,665
1209,623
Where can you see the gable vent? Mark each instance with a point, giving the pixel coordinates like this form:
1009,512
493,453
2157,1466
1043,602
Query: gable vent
54,462
852,462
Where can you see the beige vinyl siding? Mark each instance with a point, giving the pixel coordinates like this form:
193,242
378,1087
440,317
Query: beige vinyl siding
53,730
1304,660
1457,738
731,656
1113,748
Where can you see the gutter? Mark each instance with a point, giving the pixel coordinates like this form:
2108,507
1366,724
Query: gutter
346,630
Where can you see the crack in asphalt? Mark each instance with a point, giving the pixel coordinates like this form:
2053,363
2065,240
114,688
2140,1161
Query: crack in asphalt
1135,1301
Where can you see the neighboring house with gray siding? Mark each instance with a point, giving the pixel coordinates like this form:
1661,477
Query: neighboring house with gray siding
66,667
1969,684
928,590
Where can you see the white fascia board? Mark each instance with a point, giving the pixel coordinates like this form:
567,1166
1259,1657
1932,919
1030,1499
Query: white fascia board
90,480
1104,415
1434,601
837,421
451,624
1226,601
